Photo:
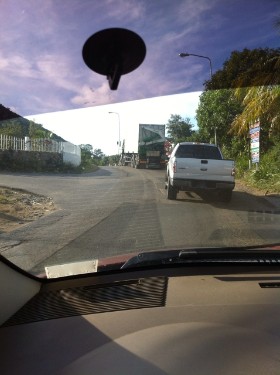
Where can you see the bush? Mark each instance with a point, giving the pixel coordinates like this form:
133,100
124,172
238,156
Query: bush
267,174
241,166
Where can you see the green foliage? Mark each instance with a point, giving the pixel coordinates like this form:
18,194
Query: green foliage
12,128
216,111
244,91
86,156
197,137
37,131
86,147
267,174
238,147
33,161
98,156
179,129
247,68
90,157
113,159
241,166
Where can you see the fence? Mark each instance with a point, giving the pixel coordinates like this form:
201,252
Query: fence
26,144
71,153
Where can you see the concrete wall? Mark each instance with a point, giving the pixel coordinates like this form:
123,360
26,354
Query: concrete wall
30,160
71,154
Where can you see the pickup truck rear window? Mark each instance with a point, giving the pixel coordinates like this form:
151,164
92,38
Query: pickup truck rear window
198,152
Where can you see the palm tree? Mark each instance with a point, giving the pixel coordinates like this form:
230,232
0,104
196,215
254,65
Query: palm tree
260,102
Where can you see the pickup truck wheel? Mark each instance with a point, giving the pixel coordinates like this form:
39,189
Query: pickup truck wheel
225,196
171,192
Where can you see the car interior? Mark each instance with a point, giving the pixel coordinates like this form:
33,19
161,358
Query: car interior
156,320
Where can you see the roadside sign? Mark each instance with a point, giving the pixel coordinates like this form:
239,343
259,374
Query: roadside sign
255,142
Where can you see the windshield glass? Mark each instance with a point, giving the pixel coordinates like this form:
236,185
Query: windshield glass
198,152
89,119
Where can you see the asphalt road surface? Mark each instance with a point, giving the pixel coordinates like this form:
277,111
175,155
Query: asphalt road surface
121,210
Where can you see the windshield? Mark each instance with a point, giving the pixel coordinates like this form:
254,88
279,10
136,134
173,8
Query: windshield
97,94
198,152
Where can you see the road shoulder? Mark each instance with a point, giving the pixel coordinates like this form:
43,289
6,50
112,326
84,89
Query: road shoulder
272,198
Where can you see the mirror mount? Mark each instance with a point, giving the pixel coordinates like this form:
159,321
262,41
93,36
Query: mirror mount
113,53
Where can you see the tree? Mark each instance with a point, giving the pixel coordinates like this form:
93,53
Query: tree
37,131
261,103
247,68
215,113
179,129
261,100
253,76
97,154
86,147
12,128
86,155
91,158
113,159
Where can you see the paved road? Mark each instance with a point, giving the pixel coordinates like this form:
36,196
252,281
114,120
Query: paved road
122,210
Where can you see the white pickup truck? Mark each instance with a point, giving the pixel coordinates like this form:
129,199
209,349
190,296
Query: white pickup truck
199,167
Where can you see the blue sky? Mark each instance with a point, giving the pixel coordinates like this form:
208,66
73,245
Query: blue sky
41,64
41,41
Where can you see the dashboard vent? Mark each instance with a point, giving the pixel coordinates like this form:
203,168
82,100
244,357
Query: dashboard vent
92,299
269,285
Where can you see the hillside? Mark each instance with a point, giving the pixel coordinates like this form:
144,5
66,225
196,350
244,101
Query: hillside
13,124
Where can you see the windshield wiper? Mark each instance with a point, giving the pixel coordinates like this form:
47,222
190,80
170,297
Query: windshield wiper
248,255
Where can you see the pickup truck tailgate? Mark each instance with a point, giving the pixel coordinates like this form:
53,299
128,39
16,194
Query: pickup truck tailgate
203,169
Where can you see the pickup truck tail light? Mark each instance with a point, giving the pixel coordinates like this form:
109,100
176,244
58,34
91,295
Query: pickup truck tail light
174,167
233,171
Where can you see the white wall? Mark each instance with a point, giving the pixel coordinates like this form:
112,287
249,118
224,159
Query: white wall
71,154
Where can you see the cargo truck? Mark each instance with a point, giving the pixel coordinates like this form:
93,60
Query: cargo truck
151,147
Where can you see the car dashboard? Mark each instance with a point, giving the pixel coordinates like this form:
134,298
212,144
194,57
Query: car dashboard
165,320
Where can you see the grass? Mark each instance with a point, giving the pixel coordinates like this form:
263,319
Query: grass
266,175
269,182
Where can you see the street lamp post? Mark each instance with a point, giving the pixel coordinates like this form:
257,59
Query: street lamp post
186,54
119,141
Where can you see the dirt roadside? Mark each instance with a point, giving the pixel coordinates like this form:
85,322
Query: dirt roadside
241,186
19,207
271,197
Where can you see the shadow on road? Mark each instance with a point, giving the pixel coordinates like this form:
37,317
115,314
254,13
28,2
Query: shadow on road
241,201
100,172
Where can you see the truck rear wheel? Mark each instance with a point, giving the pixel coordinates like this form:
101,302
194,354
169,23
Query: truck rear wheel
171,191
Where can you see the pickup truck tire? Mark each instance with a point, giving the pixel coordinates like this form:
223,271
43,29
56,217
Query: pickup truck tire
171,191
225,195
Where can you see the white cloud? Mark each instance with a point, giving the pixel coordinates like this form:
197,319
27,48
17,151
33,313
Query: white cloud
89,96
16,66
4,63
125,9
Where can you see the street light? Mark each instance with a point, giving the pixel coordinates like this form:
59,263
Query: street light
186,54
119,142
